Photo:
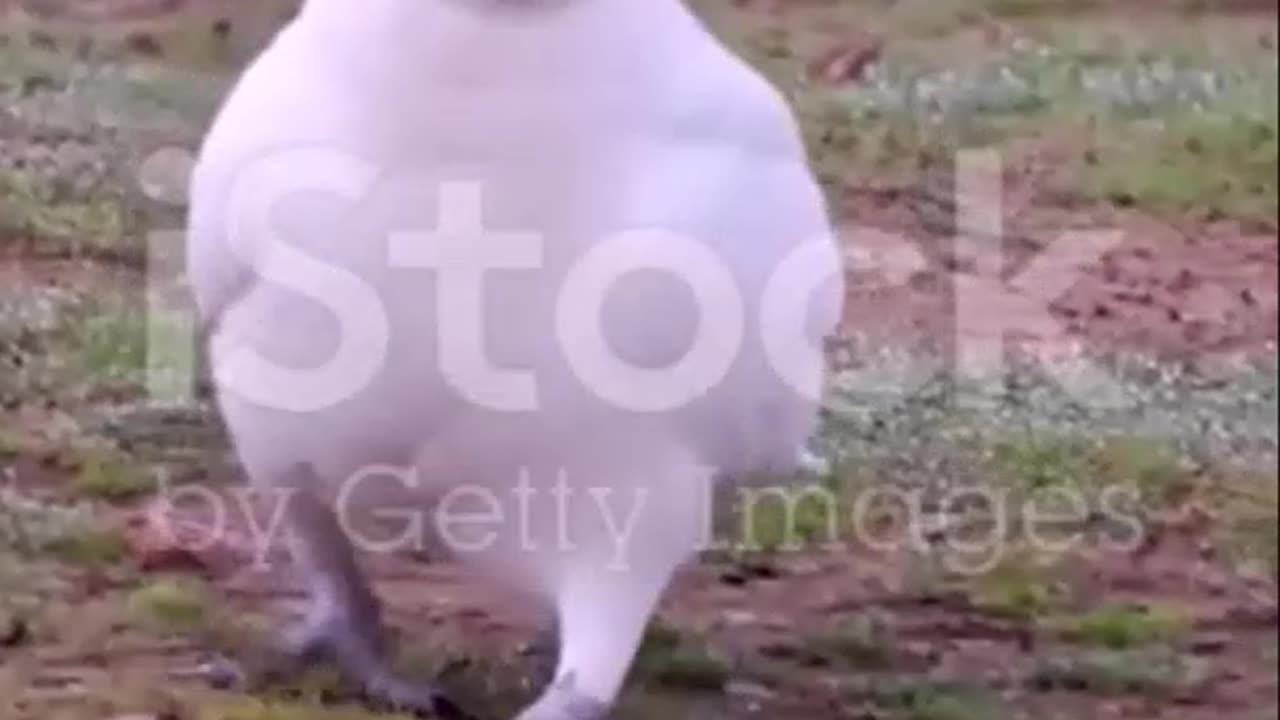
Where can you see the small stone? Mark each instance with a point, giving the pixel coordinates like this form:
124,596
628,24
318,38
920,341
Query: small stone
741,618
752,694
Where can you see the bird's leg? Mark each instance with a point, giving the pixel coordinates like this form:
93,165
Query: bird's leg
345,619
544,652
602,618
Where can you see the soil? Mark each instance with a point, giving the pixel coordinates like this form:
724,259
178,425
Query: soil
1168,287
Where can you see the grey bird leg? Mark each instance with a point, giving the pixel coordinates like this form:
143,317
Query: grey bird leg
544,654
345,619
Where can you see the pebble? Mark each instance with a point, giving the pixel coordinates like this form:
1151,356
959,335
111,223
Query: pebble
749,692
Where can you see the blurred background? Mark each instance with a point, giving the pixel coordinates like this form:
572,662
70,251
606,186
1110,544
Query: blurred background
1069,557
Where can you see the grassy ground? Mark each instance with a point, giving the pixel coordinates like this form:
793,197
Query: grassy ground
1159,117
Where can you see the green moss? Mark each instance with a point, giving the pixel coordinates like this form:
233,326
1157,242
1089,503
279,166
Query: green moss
861,643
170,605
789,517
955,706
11,445
1120,628
1158,674
1221,163
910,698
43,209
1036,462
105,475
112,341
1020,586
675,661
1032,8
91,546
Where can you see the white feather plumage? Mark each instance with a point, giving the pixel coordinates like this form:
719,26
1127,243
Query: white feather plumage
574,121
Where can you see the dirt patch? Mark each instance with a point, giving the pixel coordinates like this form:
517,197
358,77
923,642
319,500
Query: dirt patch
1164,288
829,635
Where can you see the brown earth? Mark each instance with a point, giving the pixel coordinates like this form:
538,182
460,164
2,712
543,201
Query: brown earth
1167,287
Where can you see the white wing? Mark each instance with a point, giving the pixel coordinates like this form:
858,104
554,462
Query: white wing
277,104
732,173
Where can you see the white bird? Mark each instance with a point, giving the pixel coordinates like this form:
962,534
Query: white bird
518,276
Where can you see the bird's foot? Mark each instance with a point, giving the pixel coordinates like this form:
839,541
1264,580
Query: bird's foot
361,658
562,701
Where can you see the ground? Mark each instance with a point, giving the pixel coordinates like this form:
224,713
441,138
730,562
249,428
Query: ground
1154,117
